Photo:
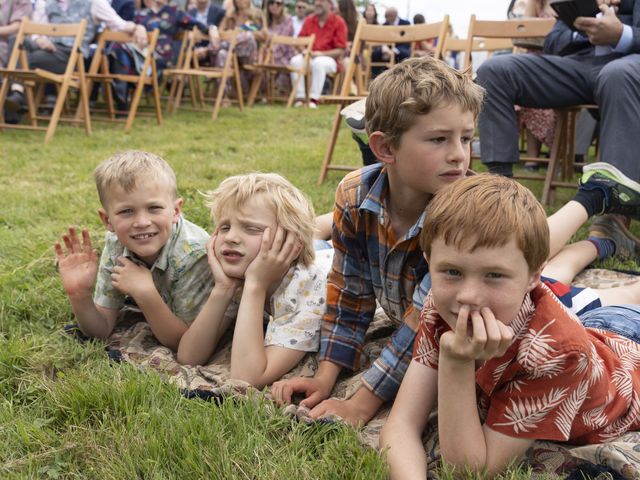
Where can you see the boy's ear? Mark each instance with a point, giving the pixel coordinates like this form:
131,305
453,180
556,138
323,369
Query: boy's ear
535,278
381,147
104,216
177,206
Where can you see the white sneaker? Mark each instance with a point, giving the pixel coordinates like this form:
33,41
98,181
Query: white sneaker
313,103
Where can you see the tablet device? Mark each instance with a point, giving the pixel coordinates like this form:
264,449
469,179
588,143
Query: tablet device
569,10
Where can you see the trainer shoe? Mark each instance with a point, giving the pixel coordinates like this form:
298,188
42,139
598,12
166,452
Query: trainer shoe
614,228
621,194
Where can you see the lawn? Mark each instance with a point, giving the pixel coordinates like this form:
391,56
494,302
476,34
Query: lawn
66,411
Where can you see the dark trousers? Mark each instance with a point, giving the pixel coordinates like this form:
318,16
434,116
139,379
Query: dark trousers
548,81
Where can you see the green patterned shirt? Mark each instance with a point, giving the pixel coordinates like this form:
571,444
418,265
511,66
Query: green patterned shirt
181,273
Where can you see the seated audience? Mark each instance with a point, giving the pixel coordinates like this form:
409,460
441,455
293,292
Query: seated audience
11,14
423,47
207,13
328,49
53,54
400,51
598,63
371,14
301,11
169,20
279,22
252,29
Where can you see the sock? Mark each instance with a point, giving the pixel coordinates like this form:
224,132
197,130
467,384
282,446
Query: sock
592,200
500,168
605,247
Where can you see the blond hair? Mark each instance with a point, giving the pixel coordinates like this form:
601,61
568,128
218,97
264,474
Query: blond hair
488,211
415,87
292,209
125,169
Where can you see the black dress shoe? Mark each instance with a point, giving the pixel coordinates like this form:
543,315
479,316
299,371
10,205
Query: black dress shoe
15,102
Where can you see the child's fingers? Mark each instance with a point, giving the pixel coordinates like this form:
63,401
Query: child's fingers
75,241
507,334
494,335
479,331
279,239
57,248
67,243
462,324
86,241
266,240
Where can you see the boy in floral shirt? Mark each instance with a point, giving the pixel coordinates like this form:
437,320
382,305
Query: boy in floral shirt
505,362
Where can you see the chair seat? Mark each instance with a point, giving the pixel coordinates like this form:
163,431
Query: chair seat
340,99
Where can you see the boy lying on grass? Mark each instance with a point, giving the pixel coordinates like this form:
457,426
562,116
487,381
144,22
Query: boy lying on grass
153,260
502,358
262,252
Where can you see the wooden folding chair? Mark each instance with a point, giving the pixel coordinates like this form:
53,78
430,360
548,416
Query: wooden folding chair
268,70
99,71
376,34
73,77
561,159
191,69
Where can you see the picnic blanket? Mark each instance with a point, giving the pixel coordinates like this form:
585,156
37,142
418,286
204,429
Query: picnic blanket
133,342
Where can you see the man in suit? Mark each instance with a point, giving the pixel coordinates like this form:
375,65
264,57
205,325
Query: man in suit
597,62
207,13
401,50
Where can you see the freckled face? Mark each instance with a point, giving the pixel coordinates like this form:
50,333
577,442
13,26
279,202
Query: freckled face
496,277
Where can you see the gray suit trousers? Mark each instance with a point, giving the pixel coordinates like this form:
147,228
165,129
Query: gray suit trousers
549,81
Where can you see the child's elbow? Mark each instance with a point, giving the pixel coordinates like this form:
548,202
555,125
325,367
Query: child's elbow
253,379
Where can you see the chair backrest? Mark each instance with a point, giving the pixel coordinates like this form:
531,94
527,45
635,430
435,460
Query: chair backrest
391,35
196,37
302,44
492,35
28,28
100,61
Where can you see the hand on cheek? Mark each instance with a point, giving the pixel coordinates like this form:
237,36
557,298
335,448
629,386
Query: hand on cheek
478,335
274,258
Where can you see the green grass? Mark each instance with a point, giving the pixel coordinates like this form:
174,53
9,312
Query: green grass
65,410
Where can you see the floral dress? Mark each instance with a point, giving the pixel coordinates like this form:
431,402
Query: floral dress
168,20
282,54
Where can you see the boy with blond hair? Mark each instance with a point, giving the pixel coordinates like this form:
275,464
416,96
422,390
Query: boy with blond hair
154,261
505,362
262,257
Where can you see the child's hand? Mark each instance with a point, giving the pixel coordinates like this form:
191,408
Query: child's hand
78,267
220,279
486,337
274,258
131,279
314,390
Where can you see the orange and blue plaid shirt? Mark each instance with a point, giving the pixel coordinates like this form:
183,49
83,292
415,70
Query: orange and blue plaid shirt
371,265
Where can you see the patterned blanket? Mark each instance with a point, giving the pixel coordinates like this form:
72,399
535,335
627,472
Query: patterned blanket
134,343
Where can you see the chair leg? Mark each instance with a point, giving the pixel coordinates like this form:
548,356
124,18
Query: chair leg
57,111
557,152
331,145
4,91
218,102
301,77
156,97
255,86
133,108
